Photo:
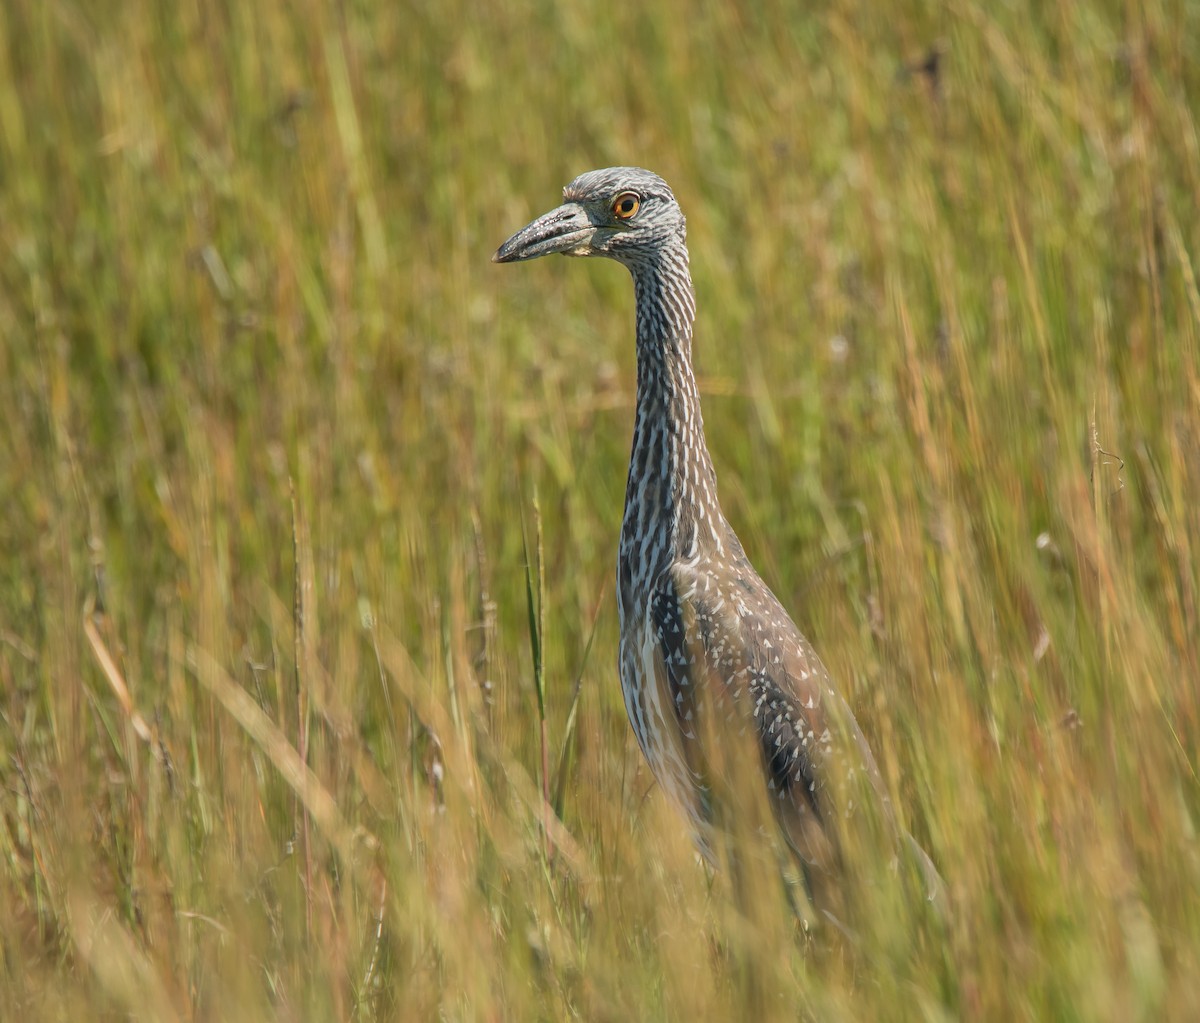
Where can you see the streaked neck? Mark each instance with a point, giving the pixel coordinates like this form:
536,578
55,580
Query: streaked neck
671,508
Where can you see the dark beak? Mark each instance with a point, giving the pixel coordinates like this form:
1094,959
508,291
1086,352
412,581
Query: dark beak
567,229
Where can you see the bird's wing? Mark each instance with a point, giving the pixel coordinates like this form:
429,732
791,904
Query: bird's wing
729,639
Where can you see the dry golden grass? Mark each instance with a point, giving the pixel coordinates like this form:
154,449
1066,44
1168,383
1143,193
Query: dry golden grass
275,434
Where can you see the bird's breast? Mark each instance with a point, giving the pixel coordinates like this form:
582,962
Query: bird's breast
653,720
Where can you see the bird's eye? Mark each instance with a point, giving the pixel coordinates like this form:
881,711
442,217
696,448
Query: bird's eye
626,205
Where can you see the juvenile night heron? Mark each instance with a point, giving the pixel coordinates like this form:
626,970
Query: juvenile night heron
700,630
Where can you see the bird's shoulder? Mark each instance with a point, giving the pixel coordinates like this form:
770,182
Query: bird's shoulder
724,628
729,619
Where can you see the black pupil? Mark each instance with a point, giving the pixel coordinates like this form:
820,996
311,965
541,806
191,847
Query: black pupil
627,205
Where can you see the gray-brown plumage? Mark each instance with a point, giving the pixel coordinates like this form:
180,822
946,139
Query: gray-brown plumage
699,628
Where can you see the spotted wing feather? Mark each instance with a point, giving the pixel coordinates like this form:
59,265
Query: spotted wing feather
729,637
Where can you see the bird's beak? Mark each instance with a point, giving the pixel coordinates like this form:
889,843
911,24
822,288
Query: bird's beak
567,229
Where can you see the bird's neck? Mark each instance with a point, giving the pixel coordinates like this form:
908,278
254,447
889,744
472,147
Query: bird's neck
671,508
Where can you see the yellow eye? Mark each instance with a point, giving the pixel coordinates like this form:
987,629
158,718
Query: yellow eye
626,205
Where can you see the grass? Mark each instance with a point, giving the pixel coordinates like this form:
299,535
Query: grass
305,501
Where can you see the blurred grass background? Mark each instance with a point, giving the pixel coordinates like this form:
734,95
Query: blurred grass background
273,431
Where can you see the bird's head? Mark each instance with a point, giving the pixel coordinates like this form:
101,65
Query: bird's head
624,213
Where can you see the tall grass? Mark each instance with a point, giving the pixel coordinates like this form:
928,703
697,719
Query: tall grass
271,424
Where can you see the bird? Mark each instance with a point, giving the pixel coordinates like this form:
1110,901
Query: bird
700,632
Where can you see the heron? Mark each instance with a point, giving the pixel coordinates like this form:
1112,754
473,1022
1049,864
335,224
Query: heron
705,647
